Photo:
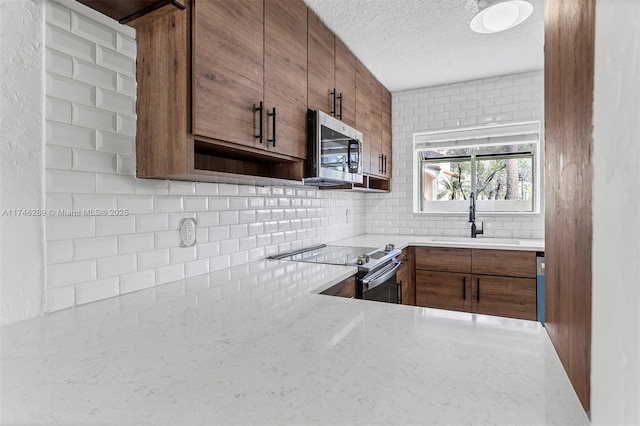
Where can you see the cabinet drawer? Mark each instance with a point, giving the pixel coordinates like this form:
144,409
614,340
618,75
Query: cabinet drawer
504,296
511,263
444,259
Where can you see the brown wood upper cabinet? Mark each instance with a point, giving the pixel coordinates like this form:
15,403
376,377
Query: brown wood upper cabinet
245,53
373,119
332,73
222,88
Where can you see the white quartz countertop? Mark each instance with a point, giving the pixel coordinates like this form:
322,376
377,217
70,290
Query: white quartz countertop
255,344
402,241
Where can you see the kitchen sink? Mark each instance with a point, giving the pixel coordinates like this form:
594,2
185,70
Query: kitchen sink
479,241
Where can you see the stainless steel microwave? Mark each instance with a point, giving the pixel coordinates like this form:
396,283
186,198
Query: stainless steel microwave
334,151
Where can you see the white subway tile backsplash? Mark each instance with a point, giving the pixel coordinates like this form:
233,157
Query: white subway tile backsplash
91,30
196,204
97,290
94,161
152,186
70,136
57,110
182,254
135,243
136,203
165,239
115,102
115,225
86,116
115,61
127,46
167,274
206,250
137,281
126,164
90,73
153,259
68,43
92,248
60,298
59,251
69,181
64,274
126,125
182,188
116,265
167,204
197,267
107,183
152,222
57,157
58,63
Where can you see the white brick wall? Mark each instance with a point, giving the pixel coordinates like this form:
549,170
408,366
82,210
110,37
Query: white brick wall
518,97
90,164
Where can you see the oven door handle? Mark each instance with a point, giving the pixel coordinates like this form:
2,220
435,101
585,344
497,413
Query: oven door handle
376,278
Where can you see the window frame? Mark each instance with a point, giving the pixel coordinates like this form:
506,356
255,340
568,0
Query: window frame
473,137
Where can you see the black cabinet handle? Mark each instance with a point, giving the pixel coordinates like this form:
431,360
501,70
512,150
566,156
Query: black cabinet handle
384,165
333,102
259,108
273,114
340,110
400,293
478,290
464,288
381,168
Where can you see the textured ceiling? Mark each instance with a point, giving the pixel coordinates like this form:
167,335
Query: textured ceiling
420,43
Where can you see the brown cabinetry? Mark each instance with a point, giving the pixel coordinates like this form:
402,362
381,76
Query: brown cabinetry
222,89
332,73
405,276
493,282
345,288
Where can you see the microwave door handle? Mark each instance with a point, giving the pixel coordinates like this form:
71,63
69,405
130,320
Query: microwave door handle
357,152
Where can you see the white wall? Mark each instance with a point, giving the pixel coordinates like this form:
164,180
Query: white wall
510,98
615,356
21,159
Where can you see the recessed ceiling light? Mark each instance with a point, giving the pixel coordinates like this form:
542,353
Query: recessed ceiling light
500,15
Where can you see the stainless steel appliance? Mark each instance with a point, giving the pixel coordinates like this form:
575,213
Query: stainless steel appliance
376,277
334,151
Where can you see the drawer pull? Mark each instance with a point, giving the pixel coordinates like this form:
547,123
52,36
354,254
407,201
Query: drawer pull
464,288
478,291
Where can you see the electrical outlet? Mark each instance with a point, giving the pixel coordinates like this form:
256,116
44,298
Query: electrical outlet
348,215
187,232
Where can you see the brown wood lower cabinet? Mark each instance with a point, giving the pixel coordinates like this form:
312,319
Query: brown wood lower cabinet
447,278
443,290
345,288
504,296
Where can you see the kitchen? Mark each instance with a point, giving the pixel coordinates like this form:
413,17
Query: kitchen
75,179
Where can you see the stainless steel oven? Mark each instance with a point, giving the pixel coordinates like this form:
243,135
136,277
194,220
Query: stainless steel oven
377,268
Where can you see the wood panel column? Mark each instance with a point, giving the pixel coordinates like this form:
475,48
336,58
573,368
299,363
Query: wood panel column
569,67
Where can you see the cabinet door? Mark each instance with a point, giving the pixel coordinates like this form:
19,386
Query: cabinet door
443,290
363,112
443,259
386,131
405,279
227,69
321,64
345,82
285,75
375,136
504,296
345,288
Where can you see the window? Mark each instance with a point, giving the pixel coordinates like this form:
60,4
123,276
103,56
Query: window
496,163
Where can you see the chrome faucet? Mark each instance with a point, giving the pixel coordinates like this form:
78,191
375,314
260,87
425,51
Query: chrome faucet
472,217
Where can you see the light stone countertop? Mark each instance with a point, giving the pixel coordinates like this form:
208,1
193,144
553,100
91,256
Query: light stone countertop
402,241
254,344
